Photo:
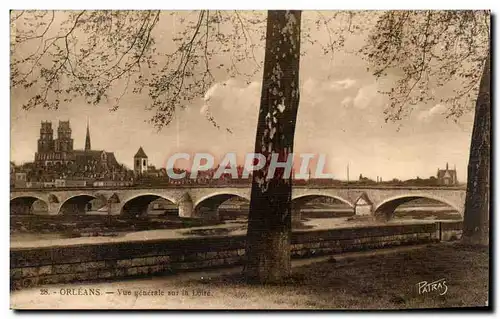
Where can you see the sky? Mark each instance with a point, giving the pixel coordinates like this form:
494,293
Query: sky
340,115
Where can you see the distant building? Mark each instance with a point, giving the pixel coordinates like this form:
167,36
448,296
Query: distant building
34,184
152,171
20,179
56,158
365,180
87,138
447,176
49,184
110,183
54,151
140,162
60,182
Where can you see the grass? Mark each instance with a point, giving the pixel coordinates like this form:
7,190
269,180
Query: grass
375,282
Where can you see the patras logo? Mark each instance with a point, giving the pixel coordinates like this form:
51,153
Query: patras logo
438,286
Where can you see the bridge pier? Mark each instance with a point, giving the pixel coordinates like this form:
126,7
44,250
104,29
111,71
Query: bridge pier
363,210
186,207
53,208
114,209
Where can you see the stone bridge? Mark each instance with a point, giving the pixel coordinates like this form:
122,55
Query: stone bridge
190,200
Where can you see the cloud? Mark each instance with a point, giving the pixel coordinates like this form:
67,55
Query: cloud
431,113
346,102
210,92
204,108
342,84
231,95
366,96
313,85
317,93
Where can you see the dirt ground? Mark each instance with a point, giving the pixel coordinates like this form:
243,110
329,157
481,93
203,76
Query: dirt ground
385,279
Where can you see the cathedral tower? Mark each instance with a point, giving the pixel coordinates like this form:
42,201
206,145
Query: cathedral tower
64,142
46,140
87,138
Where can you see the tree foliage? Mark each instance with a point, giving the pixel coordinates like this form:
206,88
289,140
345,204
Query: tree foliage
174,57
86,53
429,51
433,50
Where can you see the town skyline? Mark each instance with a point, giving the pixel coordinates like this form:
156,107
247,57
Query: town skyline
79,128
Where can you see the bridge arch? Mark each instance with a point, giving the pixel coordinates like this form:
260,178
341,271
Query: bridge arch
385,209
138,205
212,202
219,198
76,204
23,205
302,199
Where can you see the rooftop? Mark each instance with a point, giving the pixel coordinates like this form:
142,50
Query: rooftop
140,153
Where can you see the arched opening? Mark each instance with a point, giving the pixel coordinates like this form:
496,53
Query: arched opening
77,205
163,207
144,205
97,206
223,207
322,206
27,205
414,207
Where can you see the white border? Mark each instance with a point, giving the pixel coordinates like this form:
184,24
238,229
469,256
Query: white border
182,5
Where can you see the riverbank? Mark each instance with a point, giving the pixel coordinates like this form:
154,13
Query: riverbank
230,228
370,280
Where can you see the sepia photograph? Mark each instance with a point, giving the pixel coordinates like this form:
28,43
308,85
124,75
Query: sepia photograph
250,159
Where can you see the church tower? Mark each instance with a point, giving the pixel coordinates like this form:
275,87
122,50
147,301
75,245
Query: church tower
46,140
64,142
87,138
140,162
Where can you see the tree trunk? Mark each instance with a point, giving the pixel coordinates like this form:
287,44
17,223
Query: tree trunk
269,221
477,208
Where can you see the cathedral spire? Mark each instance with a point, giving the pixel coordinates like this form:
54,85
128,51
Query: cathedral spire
87,138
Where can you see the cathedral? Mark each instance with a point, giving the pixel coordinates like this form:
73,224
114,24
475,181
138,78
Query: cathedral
59,155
